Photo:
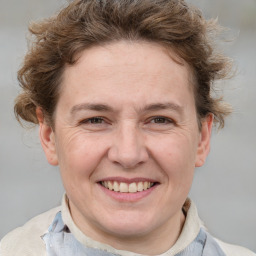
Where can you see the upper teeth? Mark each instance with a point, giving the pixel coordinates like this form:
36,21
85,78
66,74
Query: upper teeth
126,187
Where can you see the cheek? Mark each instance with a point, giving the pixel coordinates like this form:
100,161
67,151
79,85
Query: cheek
176,156
79,154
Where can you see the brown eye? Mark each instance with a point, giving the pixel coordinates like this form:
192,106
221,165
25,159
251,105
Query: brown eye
95,120
161,120
95,124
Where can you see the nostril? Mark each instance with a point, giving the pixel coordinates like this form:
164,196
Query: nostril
128,149
129,164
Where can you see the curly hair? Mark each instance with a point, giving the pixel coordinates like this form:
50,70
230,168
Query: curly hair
57,42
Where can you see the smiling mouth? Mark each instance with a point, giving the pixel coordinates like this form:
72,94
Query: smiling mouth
123,187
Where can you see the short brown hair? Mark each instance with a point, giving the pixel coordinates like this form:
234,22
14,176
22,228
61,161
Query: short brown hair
57,41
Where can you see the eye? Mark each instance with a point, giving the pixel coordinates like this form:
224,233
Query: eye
161,120
159,123
95,124
93,121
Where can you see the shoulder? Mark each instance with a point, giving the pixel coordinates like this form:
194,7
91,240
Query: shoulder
26,240
234,250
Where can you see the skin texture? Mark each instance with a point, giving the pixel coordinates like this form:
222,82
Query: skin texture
145,128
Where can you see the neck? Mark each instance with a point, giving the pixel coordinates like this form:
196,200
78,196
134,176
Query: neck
154,242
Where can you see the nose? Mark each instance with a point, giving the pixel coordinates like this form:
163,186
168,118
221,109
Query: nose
128,147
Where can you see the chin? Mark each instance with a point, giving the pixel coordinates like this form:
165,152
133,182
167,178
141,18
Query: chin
128,226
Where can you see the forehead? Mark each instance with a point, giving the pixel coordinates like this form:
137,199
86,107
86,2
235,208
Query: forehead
131,54
130,69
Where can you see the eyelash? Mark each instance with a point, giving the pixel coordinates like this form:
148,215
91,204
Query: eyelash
97,120
90,120
165,119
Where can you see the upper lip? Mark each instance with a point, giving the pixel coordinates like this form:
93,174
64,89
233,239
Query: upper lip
128,180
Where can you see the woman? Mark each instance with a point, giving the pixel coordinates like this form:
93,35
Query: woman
121,93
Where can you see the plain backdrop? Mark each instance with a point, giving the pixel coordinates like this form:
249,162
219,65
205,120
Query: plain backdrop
224,189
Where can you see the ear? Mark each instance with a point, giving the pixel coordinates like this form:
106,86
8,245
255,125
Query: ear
47,138
204,140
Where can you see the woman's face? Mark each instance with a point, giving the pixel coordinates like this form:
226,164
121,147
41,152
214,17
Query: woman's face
126,140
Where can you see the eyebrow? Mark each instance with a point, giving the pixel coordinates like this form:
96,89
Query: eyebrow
107,108
90,106
161,106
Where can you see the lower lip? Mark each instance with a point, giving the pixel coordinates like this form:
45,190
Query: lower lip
127,197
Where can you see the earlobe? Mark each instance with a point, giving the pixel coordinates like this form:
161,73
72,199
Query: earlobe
47,138
204,141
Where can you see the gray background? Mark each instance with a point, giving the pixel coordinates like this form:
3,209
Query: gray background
224,189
